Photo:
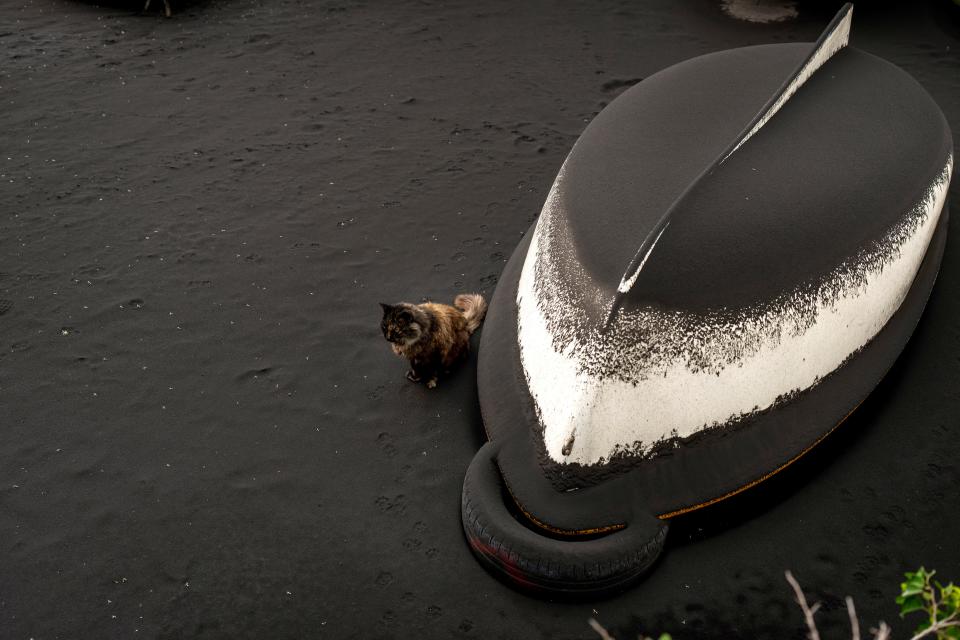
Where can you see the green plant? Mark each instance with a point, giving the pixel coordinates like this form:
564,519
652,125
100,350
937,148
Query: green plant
920,592
605,635
941,603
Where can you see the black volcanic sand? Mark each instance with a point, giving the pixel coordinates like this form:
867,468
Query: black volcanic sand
203,433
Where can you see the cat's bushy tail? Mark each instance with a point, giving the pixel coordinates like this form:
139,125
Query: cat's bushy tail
473,306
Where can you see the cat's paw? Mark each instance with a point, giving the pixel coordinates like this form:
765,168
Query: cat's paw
432,383
412,377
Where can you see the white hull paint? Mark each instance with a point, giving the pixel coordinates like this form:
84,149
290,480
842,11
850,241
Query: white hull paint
590,412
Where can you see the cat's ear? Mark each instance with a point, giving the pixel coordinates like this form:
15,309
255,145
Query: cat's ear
386,307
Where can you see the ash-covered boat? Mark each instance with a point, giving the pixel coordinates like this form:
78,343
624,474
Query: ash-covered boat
732,256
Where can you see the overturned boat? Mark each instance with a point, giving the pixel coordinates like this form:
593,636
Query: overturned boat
732,256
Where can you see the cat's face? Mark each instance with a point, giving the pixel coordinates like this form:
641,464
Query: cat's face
399,324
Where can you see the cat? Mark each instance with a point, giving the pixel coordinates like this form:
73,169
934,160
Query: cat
432,336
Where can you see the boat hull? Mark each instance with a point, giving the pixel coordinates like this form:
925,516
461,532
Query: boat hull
541,533
705,298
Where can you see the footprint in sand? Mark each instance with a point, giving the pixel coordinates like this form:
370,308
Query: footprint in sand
385,440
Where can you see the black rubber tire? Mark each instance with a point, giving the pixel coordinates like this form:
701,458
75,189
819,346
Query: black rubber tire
596,566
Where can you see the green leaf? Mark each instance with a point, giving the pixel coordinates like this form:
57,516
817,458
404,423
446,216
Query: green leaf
950,597
914,584
664,636
909,604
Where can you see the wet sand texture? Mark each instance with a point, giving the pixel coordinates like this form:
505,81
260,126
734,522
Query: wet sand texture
204,435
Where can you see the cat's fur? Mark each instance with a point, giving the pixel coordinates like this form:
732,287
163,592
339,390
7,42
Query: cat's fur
432,336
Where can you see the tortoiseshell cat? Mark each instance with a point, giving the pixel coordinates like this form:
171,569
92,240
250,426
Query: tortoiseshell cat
432,336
